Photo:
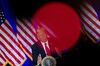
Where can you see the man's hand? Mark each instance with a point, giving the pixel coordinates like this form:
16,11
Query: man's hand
39,59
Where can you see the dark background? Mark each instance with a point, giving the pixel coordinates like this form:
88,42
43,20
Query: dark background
25,8
85,52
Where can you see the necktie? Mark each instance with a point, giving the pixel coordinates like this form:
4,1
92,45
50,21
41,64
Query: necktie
47,49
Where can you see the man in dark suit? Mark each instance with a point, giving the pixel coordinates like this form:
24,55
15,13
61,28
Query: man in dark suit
42,48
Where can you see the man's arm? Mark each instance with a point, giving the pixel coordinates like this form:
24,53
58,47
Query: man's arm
34,53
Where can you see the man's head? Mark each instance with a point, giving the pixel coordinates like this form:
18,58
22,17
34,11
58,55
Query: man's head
41,34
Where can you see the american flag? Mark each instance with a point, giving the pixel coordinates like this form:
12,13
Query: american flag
2,59
14,45
9,44
26,35
90,21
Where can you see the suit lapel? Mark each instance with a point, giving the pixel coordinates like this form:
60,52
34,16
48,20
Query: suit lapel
41,47
39,44
51,46
41,50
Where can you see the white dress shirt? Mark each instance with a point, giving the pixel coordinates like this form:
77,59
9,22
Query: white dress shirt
43,44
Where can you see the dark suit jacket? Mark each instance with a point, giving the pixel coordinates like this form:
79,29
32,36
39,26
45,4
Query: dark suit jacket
37,49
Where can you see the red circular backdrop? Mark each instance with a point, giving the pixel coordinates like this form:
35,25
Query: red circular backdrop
63,22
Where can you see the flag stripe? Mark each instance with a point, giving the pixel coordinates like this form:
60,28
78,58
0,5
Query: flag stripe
91,24
12,41
2,58
29,29
8,56
90,31
24,44
25,34
91,16
26,47
90,20
93,30
30,25
90,9
12,36
8,47
2,61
